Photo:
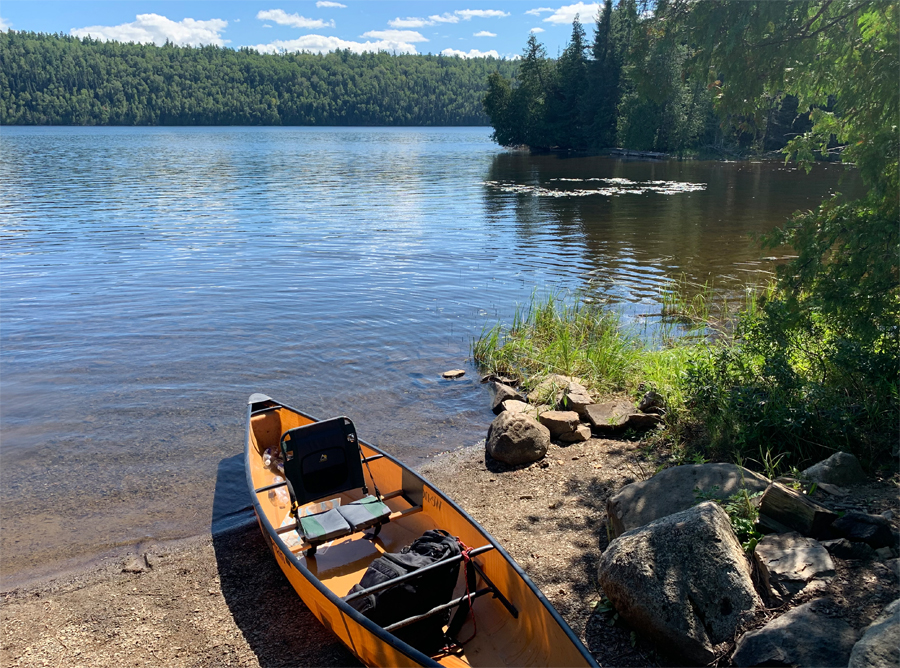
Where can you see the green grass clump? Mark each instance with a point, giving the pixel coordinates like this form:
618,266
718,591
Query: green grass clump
575,338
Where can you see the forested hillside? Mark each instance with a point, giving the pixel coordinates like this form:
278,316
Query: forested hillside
60,80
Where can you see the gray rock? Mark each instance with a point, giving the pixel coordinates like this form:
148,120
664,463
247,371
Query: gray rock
803,636
454,373
788,562
844,549
516,406
894,565
884,553
582,433
642,421
672,490
516,438
503,393
609,416
651,401
134,564
871,529
880,644
559,422
683,581
841,468
551,390
577,399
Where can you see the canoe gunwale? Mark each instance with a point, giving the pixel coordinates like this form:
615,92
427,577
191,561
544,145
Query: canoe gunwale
351,612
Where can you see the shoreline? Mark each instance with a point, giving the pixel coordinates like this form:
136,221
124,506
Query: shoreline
220,599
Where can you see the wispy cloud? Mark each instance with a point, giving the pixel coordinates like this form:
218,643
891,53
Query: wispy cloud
325,44
540,10
455,17
474,53
409,22
282,18
327,3
536,30
468,14
4,24
159,29
444,18
408,36
484,33
587,13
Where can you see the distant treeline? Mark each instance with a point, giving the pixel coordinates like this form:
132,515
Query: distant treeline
625,88
48,79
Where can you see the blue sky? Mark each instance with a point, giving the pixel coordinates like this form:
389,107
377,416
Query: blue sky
459,28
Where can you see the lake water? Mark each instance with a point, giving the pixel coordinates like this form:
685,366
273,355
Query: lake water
153,278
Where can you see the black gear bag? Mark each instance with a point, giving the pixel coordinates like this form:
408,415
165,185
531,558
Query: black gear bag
415,596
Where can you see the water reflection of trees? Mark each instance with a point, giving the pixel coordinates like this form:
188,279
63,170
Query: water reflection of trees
623,247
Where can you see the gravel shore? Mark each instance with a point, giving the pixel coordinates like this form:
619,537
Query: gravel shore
222,601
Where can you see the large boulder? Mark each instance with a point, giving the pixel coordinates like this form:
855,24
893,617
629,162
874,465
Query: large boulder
517,438
682,580
788,562
880,644
841,468
805,636
673,489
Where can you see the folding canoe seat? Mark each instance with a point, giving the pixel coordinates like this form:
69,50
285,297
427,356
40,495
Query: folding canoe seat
323,459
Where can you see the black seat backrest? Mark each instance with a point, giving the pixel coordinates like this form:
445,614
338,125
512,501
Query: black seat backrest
322,458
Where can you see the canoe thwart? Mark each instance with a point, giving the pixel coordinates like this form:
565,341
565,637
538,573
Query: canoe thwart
438,609
500,597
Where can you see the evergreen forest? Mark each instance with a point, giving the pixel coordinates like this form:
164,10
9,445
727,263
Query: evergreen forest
631,86
48,79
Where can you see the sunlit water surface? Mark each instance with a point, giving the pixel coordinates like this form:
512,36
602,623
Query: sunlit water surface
152,278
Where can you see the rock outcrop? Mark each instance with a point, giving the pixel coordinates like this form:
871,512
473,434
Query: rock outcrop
673,489
789,562
880,644
804,636
841,468
682,580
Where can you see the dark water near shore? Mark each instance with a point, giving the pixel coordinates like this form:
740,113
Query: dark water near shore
152,278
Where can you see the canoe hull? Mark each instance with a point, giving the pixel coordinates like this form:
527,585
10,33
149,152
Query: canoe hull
535,636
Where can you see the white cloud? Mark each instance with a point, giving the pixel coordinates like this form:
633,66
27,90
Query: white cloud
408,36
484,33
536,30
587,13
443,18
324,44
409,22
157,29
326,3
282,18
4,24
539,10
468,14
474,53
266,25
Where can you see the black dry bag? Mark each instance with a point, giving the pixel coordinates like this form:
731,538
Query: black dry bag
416,595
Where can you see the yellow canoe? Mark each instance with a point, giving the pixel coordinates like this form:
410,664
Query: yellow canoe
513,625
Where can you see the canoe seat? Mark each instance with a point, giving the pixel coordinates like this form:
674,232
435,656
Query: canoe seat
365,513
324,459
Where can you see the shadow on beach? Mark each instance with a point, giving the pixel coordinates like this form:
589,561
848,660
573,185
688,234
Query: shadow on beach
276,624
